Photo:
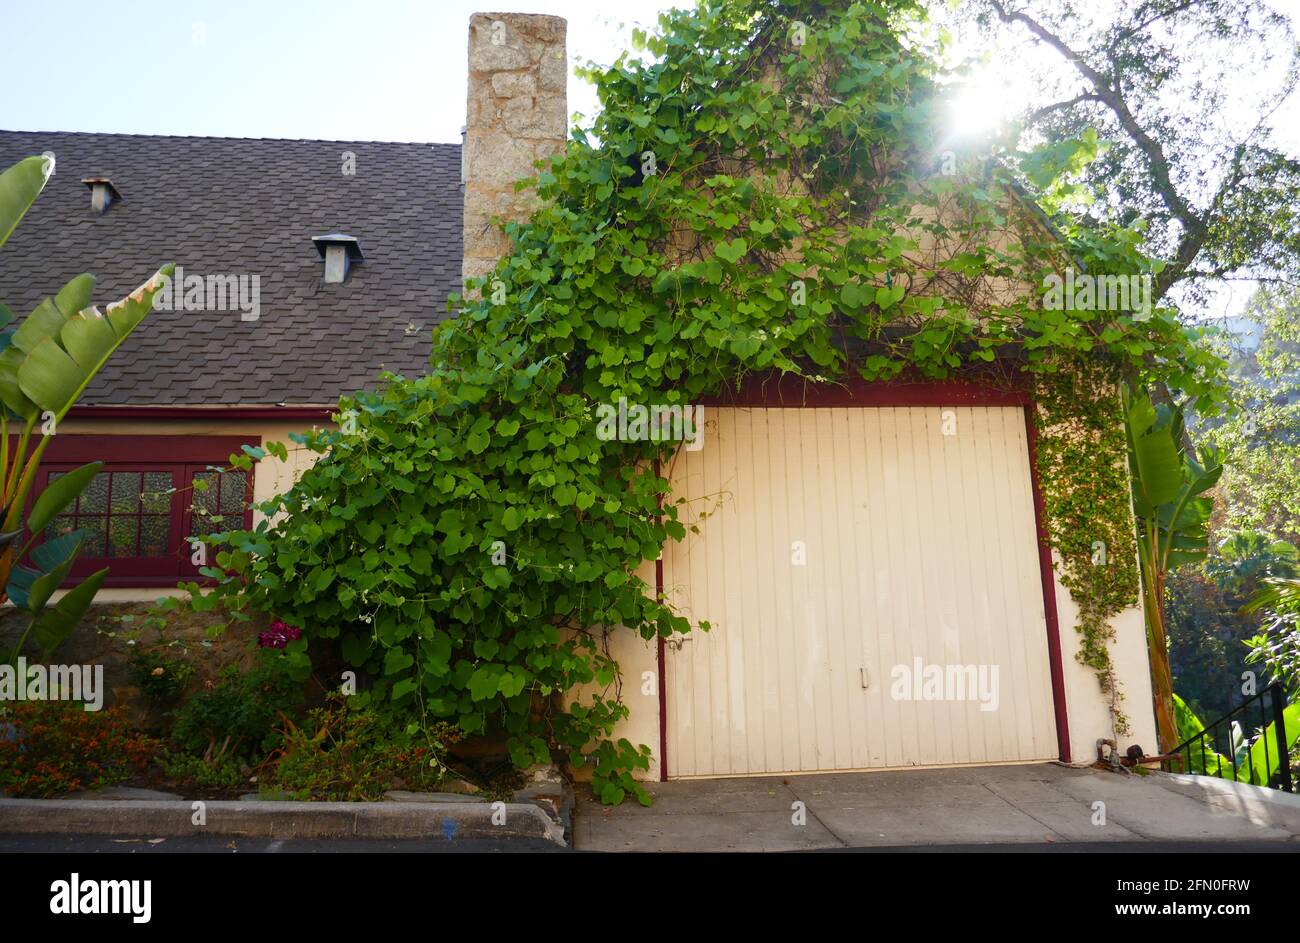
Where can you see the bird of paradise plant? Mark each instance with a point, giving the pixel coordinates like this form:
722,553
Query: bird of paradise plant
46,363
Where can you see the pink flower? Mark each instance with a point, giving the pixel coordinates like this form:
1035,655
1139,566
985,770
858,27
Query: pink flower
279,635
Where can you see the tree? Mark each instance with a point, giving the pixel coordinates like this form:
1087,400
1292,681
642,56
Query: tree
1169,482
1260,442
1277,646
1191,149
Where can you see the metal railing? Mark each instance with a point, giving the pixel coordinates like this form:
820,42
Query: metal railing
1212,752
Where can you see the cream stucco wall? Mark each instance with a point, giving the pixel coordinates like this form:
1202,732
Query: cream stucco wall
1086,706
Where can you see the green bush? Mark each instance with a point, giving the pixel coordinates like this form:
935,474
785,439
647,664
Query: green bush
159,678
219,773
343,753
57,747
239,716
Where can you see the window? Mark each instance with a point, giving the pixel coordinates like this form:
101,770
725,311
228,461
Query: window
140,516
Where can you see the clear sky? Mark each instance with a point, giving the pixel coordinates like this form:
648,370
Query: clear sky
362,70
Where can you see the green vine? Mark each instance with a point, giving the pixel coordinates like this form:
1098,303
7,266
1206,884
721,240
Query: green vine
768,191
1083,471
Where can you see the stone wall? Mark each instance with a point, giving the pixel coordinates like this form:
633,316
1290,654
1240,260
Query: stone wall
516,113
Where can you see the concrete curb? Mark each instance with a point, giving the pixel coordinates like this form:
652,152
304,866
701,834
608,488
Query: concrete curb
170,819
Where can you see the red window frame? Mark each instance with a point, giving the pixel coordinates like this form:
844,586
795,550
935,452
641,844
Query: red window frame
183,457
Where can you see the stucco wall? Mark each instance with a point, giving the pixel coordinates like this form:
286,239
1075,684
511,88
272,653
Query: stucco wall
1087,707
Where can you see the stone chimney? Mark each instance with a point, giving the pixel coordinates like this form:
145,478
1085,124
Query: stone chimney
516,114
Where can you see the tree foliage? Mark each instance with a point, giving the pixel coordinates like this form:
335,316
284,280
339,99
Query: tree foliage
1184,93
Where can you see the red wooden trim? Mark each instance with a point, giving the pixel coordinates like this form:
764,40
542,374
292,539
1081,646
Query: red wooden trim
144,449
1048,576
663,678
790,391
185,455
202,412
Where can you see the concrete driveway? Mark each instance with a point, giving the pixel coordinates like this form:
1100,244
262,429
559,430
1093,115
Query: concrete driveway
1030,804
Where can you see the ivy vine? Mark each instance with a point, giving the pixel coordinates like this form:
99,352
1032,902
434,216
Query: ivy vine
767,190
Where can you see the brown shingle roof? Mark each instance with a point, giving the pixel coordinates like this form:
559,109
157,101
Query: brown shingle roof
234,206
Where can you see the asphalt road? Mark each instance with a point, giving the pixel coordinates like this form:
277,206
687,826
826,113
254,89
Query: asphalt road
217,844
92,844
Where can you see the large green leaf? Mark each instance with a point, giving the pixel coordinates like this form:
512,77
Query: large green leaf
53,573
44,558
11,358
46,320
1261,768
20,185
58,367
53,626
61,492
1189,725
1155,453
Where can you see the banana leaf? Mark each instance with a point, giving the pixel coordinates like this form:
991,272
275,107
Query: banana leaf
61,492
52,627
52,555
59,365
1264,769
20,185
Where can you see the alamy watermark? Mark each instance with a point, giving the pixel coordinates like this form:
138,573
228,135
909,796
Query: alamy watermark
24,682
921,682
214,292
1083,292
86,896
633,422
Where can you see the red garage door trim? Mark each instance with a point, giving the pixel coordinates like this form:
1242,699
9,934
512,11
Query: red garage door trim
790,392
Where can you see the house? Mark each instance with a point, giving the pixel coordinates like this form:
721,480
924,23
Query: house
874,571
259,341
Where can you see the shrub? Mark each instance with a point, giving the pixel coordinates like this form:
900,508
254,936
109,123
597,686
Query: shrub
342,753
238,716
61,747
159,678
219,773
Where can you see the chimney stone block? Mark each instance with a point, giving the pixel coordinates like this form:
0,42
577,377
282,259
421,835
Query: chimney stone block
516,113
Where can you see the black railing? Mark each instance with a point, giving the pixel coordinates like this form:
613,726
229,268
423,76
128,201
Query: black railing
1211,751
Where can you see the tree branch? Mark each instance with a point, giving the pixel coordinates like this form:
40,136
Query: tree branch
1040,113
1195,228
1107,94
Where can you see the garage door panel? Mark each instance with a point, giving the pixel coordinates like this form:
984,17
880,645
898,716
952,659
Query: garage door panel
839,540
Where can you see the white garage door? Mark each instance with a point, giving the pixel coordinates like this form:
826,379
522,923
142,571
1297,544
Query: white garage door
873,583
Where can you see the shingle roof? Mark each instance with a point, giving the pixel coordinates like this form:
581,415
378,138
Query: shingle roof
233,206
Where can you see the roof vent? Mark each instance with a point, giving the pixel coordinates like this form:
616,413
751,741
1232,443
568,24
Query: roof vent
102,194
339,251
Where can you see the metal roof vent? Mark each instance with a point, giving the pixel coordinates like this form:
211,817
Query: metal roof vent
340,251
102,194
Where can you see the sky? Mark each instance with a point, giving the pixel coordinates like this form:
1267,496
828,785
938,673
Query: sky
378,70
